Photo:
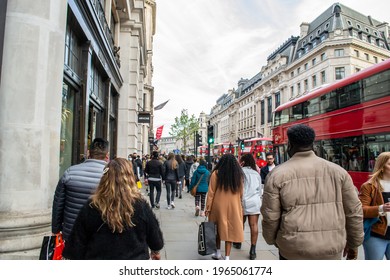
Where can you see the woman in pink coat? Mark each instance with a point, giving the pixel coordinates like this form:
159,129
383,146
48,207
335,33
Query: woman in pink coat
223,204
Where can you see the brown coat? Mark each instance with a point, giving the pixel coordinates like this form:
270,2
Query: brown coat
371,209
225,210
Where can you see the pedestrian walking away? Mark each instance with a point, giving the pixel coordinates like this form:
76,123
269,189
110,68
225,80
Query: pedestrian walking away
171,178
223,204
116,223
201,178
251,200
154,174
75,187
182,172
375,198
310,206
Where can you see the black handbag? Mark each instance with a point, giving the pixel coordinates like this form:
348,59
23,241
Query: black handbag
207,241
52,247
47,249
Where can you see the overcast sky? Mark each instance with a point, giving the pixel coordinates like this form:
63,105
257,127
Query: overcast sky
203,47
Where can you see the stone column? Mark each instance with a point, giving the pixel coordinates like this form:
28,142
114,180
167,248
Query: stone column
30,122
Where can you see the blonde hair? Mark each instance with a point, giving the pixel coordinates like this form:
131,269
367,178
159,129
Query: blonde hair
377,173
116,194
171,157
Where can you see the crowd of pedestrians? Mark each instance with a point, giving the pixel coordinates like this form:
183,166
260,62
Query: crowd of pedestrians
308,206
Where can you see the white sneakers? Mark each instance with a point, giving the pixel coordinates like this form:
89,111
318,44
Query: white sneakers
197,211
217,257
172,204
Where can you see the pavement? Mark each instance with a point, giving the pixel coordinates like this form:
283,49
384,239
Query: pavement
180,230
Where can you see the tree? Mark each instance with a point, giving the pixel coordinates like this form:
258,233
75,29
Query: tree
184,127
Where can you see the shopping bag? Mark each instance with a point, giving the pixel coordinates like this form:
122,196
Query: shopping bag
139,184
207,238
52,247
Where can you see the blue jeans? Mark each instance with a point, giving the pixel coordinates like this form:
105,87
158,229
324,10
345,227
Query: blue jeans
376,248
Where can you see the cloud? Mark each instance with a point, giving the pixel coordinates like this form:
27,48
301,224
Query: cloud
202,48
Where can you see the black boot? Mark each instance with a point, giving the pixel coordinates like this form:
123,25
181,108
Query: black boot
237,245
252,252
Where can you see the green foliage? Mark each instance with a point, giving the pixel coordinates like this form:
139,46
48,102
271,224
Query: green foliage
184,127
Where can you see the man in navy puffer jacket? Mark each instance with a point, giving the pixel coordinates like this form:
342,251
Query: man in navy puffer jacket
76,186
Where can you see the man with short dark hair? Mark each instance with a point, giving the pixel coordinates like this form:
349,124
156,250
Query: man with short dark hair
75,187
269,157
310,206
154,173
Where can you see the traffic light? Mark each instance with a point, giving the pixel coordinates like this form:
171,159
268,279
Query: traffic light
198,139
210,134
242,145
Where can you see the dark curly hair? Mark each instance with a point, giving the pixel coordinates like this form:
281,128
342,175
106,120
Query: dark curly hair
229,174
248,160
301,135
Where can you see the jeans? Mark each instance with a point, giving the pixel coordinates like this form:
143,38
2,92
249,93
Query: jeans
171,187
152,185
376,248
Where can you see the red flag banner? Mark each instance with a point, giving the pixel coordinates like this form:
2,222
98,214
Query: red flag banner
159,132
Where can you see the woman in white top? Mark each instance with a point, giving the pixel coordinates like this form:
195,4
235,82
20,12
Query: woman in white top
251,201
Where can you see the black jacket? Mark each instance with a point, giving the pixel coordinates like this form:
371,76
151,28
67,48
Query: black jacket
73,190
92,239
263,173
188,168
154,169
169,173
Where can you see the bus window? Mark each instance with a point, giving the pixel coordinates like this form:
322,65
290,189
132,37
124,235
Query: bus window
376,144
312,107
377,86
296,112
280,154
349,95
329,102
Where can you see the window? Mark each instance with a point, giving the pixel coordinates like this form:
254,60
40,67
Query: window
262,106
314,43
375,59
356,53
72,54
313,61
269,111
67,127
299,88
305,85
338,52
306,66
367,56
322,56
298,70
339,73
357,69
314,81
292,91
277,99
323,77
292,74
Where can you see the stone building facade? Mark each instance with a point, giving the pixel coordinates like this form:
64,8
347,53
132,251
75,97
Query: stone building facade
71,71
338,43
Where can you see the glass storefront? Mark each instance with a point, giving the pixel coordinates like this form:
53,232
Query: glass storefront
67,124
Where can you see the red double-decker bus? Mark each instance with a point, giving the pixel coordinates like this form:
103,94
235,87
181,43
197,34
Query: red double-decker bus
351,118
258,147
222,148
202,151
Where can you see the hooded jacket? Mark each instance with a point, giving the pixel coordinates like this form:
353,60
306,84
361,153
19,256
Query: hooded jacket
204,183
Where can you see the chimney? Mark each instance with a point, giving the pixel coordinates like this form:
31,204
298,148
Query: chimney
304,29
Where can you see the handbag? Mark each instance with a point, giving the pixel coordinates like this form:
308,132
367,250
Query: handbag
207,241
369,222
193,190
52,247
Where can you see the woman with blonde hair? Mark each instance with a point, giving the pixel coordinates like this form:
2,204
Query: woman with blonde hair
171,179
375,198
117,222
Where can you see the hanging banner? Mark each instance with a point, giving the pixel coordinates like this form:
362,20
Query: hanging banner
143,117
159,132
